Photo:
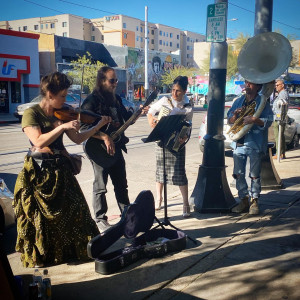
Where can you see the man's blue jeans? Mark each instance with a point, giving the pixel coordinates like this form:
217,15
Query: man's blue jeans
240,156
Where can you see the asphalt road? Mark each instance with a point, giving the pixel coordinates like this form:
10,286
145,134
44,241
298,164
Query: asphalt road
140,160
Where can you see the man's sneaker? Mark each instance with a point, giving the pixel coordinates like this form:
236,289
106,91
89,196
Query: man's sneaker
243,206
103,225
254,209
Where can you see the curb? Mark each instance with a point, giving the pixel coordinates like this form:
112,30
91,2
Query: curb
8,121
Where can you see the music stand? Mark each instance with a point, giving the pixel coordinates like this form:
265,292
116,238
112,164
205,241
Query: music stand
162,132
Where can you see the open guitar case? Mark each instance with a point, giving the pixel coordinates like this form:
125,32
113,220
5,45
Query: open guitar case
137,218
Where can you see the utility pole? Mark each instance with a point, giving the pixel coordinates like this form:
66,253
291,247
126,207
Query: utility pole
263,23
146,53
212,192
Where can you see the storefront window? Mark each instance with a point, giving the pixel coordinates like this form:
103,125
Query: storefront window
15,92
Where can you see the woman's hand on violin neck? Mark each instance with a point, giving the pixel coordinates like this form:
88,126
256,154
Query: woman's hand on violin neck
72,125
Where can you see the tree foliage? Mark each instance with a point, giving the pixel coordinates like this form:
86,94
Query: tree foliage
89,67
233,50
168,77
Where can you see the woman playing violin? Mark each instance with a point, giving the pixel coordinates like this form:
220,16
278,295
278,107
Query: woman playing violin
53,219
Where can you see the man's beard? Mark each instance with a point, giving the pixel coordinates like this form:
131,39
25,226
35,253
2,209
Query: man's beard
108,97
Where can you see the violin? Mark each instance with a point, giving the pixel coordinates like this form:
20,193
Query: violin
68,113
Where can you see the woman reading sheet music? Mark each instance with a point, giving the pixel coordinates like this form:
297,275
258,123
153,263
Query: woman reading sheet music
174,162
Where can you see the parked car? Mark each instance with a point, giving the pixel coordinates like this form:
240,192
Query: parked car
231,97
203,129
294,109
70,100
159,96
129,105
291,131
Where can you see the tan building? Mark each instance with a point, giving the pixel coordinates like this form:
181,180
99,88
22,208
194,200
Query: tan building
62,25
117,30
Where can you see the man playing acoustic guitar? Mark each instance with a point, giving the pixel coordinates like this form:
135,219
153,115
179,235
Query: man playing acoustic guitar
103,151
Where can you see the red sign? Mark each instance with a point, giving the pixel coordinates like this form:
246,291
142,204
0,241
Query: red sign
12,66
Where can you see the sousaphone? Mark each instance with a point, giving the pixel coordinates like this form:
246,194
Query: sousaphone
262,59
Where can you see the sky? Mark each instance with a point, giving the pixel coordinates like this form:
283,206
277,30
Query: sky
186,15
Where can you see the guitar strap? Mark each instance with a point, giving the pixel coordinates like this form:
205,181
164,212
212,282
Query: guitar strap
170,102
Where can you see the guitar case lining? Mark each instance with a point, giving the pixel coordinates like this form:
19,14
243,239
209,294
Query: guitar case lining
137,217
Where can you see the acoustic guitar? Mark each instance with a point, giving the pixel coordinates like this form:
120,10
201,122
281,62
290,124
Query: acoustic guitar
95,149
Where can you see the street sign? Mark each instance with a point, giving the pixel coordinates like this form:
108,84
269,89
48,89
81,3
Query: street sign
216,22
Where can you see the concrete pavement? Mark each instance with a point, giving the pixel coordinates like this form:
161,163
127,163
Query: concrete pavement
237,256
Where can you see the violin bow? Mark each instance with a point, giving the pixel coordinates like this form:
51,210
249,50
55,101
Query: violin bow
81,89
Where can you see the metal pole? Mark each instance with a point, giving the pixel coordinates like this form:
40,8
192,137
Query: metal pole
263,23
279,141
146,53
212,192
263,16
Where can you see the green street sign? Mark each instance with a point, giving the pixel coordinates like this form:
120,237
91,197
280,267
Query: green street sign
216,24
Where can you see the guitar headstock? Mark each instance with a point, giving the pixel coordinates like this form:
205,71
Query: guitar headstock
151,97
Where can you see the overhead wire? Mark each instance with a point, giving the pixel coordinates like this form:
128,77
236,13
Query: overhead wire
96,9
243,8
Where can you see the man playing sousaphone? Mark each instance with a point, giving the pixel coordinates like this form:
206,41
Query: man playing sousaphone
252,145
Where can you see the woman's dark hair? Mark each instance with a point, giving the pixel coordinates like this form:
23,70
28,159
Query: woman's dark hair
101,76
182,81
54,83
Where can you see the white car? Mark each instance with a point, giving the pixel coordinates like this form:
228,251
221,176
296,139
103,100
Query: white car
203,129
292,133
71,99
294,109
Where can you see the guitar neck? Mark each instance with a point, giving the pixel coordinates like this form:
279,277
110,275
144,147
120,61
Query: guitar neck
134,117
130,121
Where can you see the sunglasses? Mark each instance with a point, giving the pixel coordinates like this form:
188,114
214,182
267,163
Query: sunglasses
112,81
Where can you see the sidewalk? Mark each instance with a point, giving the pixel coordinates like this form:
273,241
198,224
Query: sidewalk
237,256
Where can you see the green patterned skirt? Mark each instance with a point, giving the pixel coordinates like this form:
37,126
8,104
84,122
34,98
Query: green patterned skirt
54,223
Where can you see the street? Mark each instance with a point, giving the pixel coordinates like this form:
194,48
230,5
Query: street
263,247
140,160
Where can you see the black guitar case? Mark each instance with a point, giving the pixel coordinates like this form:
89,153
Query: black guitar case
137,217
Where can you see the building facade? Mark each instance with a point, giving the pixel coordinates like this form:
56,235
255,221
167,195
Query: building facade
19,63
56,53
117,30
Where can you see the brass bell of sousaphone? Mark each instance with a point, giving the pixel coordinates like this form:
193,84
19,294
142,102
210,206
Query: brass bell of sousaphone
262,59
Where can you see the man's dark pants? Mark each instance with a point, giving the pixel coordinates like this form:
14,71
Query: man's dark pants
117,173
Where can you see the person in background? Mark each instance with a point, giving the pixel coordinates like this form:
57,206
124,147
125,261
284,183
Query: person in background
104,101
175,163
54,223
280,108
253,145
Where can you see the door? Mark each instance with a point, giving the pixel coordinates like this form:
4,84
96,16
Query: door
15,95
4,99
